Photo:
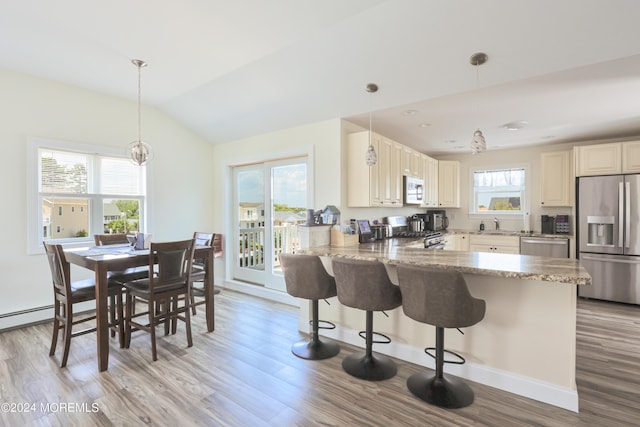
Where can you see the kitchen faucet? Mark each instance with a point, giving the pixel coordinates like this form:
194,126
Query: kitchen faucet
497,223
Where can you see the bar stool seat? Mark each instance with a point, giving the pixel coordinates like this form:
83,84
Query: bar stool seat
440,298
365,285
306,277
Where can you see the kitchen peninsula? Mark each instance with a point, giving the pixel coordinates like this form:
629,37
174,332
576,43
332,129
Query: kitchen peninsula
526,344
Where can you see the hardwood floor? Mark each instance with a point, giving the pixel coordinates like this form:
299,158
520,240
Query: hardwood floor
244,374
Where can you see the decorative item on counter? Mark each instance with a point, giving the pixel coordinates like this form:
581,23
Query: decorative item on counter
313,217
330,215
343,235
481,225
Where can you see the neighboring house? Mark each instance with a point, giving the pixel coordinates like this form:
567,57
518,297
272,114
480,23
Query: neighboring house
64,218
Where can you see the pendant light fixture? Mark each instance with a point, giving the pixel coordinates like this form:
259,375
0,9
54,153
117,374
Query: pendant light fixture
140,152
371,157
478,143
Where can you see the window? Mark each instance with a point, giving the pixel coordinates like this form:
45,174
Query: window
108,189
499,191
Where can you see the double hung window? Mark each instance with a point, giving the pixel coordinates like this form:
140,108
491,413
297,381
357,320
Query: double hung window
79,191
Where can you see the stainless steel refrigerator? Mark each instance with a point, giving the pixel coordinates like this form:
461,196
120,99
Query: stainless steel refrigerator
609,236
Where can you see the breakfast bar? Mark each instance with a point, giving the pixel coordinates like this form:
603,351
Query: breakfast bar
526,343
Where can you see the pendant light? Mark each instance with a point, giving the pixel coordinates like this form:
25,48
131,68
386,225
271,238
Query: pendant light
478,143
140,152
371,158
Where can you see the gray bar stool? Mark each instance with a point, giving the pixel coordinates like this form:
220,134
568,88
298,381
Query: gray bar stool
306,278
440,298
365,285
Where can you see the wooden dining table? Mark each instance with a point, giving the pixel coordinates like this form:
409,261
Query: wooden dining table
102,259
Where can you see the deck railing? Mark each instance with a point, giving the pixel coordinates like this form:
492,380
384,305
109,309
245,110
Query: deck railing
252,244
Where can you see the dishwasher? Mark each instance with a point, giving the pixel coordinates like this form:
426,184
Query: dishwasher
557,247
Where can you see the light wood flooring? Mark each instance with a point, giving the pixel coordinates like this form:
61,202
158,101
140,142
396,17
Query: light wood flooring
244,374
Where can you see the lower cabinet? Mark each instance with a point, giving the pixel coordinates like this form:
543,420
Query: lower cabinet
492,243
456,242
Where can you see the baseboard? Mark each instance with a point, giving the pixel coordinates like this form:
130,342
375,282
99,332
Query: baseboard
531,388
261,292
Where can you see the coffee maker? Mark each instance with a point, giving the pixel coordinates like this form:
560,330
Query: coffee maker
436,220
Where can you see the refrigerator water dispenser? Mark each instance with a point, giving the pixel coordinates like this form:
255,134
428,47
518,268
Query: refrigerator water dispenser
600,229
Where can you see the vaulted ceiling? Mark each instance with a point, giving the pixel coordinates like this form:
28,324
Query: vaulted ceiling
233,69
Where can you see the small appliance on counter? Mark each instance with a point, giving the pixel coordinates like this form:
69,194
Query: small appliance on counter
416,223
379,231
562,224
436,220
364,232
548,224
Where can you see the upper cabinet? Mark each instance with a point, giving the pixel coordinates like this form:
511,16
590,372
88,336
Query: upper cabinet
377,185
557,178
412,163
430,173
448,184
608,159
631,157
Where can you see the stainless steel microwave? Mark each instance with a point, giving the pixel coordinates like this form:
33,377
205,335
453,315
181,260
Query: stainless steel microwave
413,190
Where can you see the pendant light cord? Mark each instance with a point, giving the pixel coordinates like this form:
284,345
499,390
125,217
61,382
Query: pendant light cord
139,104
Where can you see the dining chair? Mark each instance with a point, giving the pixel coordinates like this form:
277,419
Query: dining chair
120,277
198,269
67,293
161,291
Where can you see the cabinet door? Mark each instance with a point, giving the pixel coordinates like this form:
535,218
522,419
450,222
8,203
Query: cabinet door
395,173
480,248
390,173
555,170
602,159
631,157
363,188
430,182
407,154
449,184
462,242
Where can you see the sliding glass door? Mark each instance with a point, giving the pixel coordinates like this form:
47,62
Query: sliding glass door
270,200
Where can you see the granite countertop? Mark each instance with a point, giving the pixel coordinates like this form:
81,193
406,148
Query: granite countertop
410,251
507,233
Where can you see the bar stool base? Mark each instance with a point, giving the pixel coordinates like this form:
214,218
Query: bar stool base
374,368
446,392
315,350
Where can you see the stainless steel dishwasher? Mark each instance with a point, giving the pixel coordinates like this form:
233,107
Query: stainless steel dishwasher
557,247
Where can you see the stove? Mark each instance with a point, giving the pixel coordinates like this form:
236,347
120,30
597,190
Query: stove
399,229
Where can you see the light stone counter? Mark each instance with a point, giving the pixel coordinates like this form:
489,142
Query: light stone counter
409,251
526,344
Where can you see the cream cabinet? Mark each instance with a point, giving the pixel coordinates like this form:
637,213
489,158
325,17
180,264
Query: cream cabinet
377,185
631,157
493,243
412,164
601,159
556,179
430,173
608,159
456,242
448,184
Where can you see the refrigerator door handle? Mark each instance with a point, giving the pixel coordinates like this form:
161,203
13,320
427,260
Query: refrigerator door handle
620,214
627,214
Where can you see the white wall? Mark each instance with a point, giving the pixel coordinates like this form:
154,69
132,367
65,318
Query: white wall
181,175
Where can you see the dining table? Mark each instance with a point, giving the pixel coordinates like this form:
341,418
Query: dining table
103,259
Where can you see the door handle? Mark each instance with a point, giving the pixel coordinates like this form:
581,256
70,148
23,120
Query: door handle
627,214
620,214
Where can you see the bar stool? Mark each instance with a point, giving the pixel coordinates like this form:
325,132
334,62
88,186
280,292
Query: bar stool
365,285
305,277
440,298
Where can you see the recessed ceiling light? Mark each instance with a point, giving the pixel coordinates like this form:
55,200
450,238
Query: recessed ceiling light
450,141
516,125
409,112
424,125
548,137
